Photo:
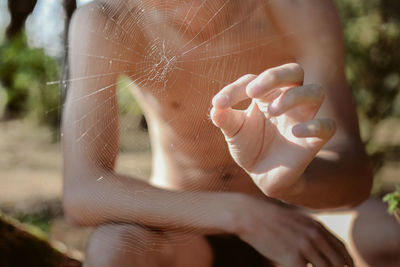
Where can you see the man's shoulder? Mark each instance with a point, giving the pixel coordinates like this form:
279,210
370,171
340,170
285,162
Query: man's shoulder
106,10
306,21
115,21
300,5
300,12
94,11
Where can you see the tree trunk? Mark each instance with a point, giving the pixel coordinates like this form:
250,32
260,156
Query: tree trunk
69,7
19,11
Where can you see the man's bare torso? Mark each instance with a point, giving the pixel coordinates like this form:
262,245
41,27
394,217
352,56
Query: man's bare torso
185,52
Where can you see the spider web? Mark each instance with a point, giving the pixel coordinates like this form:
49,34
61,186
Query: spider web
173,57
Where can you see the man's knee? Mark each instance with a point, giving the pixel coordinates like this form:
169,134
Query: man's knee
376,234
132,245
124,245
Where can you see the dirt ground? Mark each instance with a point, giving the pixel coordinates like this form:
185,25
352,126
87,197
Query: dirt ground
31,180
31,175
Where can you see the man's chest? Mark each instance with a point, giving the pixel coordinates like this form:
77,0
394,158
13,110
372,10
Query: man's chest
181,69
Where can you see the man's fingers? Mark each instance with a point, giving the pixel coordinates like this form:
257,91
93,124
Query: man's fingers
299,261
310,96
229,120
223,116
335,257
321,129
331,252
323,249
285,75
341,248
313,256
233,93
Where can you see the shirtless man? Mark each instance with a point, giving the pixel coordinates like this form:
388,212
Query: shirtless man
190,63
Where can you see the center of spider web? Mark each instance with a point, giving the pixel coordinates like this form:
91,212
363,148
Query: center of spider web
162,61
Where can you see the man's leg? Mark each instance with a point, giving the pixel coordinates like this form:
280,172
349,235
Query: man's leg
131,245
376,235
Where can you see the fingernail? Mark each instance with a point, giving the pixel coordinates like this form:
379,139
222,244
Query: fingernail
299,130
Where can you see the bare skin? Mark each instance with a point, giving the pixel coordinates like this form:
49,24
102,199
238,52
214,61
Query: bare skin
225,176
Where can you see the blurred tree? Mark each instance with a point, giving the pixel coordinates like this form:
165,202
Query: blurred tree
21,9
24,73
69,7
372,33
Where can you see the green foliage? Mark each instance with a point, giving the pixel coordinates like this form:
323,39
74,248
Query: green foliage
42,220
393,200
372,34
24,73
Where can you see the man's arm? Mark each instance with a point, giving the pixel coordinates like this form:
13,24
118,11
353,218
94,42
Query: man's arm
284,139
340,174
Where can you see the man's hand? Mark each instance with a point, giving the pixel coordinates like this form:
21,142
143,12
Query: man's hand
289,237
277,136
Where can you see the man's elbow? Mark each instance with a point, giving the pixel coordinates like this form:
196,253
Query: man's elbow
355,167
73,209
363,187
75,203
357,174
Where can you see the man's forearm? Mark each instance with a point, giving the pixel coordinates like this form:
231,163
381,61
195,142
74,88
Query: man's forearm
333,180
117,198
